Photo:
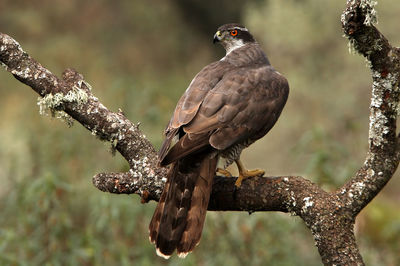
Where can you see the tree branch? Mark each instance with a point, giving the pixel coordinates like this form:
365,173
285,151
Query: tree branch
330,216
73,95
384,61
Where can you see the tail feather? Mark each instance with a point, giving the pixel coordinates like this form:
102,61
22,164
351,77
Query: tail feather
156,219
178,220
169,221
197,212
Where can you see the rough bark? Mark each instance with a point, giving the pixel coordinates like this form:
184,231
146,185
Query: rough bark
329,215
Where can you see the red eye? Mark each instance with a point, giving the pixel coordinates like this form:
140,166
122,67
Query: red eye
234,32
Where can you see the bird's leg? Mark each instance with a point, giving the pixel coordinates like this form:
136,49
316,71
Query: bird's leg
244,173
223,172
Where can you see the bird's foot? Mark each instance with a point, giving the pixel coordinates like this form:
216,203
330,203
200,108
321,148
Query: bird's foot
247,174
223,172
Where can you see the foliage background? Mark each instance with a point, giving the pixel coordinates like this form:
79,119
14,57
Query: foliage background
140,56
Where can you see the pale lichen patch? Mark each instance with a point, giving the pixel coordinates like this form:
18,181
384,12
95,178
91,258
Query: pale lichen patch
291,203
356,190
10,41
351,45
379,125
24,72
370,13
378,128
358,187
370,173
308,203
54,103
141,168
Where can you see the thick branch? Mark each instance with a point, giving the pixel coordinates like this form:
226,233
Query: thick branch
383,153
73,95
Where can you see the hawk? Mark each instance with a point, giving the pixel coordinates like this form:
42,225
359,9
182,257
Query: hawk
228,105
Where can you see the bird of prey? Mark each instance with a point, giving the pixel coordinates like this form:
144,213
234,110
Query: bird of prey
228,105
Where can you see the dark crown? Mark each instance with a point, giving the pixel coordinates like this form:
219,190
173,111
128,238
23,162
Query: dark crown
243,32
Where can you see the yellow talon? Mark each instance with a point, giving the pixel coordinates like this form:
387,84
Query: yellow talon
224,172
244,173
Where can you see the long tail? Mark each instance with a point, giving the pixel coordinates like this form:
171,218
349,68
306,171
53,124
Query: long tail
179,217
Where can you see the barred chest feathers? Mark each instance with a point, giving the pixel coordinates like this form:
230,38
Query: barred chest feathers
232,153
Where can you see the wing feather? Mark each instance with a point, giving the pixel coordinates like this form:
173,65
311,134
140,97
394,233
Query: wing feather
194,95
243,104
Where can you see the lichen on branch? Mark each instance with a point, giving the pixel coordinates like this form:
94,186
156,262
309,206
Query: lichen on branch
54,104
368,7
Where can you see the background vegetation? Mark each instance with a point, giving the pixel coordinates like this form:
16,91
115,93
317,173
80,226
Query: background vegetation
140,56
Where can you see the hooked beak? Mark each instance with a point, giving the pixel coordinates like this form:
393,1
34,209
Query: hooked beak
217,37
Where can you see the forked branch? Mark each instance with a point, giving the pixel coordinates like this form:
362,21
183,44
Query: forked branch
329,215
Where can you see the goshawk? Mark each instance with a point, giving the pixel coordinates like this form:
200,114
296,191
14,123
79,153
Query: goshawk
228,105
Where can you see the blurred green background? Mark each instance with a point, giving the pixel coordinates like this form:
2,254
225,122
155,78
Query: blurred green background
140,56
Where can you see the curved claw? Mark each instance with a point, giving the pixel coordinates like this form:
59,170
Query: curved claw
223,172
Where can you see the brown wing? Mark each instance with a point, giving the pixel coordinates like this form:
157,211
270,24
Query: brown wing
191,100
253,107
244,104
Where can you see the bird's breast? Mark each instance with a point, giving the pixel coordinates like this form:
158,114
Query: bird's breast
233,152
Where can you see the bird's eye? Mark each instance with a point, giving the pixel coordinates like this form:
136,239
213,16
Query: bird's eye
234,32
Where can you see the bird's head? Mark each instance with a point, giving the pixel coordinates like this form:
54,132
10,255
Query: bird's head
232,36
